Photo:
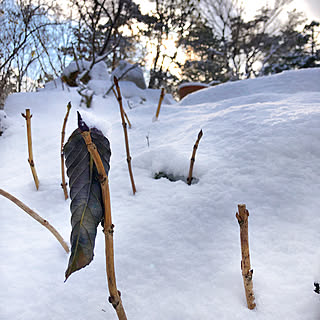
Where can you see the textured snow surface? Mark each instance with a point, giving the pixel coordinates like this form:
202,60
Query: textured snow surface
177,247
3,121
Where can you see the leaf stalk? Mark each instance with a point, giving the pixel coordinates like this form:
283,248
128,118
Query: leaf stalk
114,298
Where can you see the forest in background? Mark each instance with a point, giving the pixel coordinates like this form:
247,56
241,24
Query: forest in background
177,41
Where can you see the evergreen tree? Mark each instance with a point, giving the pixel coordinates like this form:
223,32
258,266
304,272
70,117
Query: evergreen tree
293,49
205,62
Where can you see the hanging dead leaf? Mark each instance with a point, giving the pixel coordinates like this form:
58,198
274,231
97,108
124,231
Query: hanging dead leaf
85,193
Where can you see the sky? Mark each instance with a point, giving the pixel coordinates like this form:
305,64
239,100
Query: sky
311,8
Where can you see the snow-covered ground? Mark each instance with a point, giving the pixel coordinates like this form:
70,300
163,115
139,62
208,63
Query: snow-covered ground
177,247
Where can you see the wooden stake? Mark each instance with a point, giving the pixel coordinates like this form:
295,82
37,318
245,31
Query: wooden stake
247,272
159,104
114,298
36,217
193,157
28,117
124,125
126,116
64,184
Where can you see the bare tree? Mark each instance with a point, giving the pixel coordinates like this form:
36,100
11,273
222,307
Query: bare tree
25,25
242,43
99,30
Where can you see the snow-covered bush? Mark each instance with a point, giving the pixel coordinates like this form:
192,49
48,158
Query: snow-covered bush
99,81
128,72
72,73
95,80
90,81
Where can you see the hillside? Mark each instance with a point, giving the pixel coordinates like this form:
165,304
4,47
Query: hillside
177,247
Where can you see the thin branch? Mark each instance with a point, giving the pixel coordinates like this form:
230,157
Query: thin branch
64,184
124,124
23,42
125,114
159,104
35,216
193,157
28,117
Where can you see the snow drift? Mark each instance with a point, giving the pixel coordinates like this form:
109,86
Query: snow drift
177,247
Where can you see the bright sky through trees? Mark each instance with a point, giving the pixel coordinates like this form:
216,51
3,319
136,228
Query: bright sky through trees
311,8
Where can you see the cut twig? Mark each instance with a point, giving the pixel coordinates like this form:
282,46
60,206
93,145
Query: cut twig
193,157
35,216
159,104
125,114
64,184
247,272
114,298
28,117
124,125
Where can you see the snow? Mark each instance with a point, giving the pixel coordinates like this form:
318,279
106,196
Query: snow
128,72
177,247
286,82
100,79
75,66
3,121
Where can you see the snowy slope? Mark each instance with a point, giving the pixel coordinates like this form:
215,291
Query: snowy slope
177,247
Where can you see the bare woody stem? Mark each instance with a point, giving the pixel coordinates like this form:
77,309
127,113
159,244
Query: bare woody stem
64,184
124,125
114,298
28,117
35,216
247,272
193,157
125,114
159,104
